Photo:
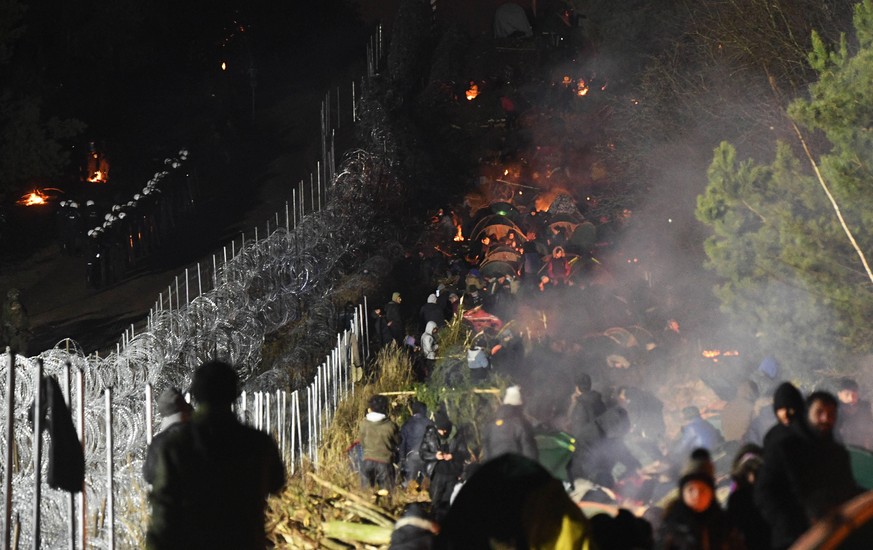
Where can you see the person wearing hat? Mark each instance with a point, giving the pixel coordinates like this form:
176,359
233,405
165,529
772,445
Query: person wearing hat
214,474
510,431
741,508
695,520
444,454
394,318
175,412
779,482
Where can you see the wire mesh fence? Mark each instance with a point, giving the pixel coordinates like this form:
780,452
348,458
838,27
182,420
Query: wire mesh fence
220,308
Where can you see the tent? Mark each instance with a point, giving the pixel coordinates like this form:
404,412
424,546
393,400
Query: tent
510,20
583,238
495,224
504,209
496,268
503,253
862,466
565,222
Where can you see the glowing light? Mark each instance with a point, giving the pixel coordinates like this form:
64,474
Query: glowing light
581,88
473,91
223,66
34,198
97,177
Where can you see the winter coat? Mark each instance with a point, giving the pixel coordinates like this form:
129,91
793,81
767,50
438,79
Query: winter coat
379,438
428,342
452,443
696,434
431,311
412,433
211,484
509,432
394,318
777,487
745,516
600,446
685,529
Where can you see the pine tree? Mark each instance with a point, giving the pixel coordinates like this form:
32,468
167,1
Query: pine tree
790,273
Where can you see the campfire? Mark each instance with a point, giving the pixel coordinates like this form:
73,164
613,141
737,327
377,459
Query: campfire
34,198
97,177
581,88
459,236
473,91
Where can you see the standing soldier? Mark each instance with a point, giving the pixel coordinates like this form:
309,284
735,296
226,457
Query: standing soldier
16,323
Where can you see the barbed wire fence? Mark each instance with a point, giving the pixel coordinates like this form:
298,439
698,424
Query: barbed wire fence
219,309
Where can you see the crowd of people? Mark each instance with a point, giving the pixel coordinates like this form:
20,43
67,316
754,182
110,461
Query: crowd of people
113,238
704,492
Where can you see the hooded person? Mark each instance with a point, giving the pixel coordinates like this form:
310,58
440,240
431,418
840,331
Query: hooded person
510,431
175,412
741,508
214,474
778,484
431,311
411,435
444,452
695,519
429,348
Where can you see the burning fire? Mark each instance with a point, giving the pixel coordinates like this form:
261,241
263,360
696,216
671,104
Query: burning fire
34,198
714,354
581,88
459,237
473,91
544,200
97,177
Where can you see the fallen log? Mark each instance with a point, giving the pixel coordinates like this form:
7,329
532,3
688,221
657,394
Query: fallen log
357,532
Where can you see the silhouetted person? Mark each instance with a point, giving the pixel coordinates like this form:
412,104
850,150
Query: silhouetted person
510,432
779,480
214,475
855,420
175,412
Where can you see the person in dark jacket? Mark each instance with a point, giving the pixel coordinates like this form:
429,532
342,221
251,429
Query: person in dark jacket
695,520
741,509
213,476
394,318
444,454
175,412
510,432
431,311
600,446
381,334
778,483
379,440
411,436
827,471
585,404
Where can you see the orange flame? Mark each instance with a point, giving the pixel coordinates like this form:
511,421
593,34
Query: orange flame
97,177
581,88
34,198
545,199
473,92
459,237
566,81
